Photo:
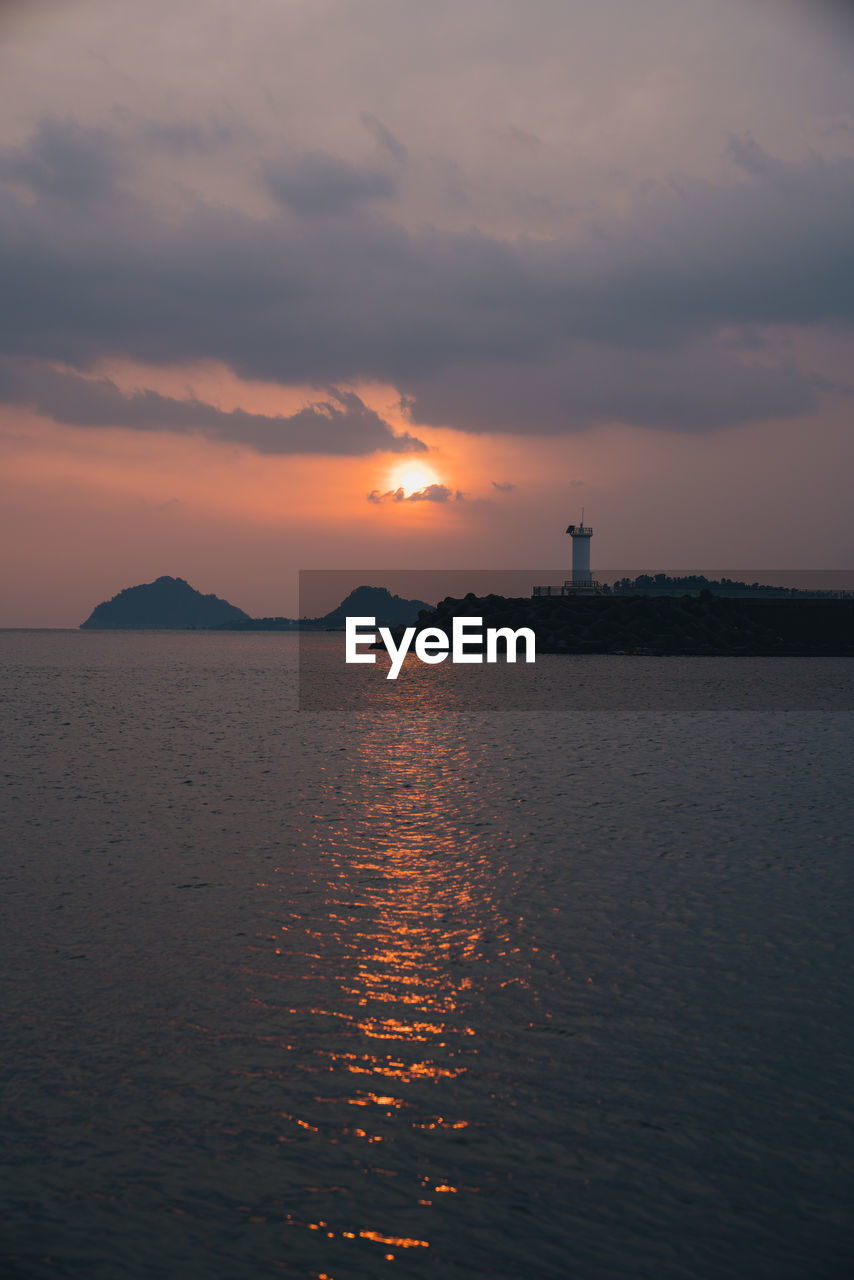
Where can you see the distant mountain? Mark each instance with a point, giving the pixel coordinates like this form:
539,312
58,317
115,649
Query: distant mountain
169,604
368,602
375,602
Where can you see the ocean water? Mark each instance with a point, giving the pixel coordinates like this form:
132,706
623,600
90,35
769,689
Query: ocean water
562,995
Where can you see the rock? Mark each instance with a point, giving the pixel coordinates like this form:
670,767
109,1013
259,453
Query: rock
665,624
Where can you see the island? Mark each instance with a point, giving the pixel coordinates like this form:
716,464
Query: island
168,604
171,604
369,602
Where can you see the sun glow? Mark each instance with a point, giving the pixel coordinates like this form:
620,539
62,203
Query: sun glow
411,478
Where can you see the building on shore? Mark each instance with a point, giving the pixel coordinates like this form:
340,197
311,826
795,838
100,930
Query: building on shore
582,581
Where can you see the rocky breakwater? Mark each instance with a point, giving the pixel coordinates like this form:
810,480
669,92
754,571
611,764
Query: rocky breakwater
702,625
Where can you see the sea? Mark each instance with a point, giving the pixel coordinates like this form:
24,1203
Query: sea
423,990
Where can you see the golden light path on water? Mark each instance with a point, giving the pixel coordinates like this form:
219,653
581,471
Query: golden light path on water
405,964
406,910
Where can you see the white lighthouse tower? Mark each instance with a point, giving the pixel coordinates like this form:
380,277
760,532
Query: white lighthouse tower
581,535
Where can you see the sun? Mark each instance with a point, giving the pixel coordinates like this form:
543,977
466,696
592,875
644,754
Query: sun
410,479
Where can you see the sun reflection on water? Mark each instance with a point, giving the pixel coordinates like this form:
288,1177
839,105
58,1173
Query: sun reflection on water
392,953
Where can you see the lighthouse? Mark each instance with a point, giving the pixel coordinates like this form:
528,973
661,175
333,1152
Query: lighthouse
582,581
581,535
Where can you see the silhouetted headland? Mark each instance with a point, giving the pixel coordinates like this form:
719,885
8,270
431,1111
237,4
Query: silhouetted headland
372,602
169,604
690,625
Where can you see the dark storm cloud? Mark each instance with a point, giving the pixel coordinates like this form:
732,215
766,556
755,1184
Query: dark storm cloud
317,183
699,387
64,161
839,14
342,425
630,320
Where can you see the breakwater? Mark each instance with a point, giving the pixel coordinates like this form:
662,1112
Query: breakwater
701,625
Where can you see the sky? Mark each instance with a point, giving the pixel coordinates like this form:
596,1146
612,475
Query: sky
376,283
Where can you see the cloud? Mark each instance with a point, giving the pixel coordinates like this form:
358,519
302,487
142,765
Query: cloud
316,183
435,493
630,319
430,493
65,161
699,387
185,137
384,137
746,152
503,488
342,425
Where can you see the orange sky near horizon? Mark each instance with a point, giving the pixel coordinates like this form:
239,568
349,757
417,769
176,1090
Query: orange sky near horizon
126,506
